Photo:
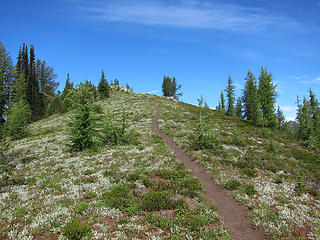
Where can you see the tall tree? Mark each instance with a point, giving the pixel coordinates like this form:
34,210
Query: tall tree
280,119
6,81
166,86
103,87
239,107
46,78
267,98
68,87
251,109
230,96
305,129
222,102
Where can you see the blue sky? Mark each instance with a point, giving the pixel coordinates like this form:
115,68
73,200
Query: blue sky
201,43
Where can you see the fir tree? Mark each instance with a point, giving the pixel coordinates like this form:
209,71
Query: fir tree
6,81
166,86
250,99
222,102
103,87
230,96
267,98
305,129
82,123
46,77
280,119
200,101
238,109
19,115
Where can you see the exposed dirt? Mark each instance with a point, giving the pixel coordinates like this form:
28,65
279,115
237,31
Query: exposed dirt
233,214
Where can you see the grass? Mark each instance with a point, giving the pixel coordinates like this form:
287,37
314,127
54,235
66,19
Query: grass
104,194
262,167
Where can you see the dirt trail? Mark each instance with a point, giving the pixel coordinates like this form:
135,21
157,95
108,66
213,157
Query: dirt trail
233,214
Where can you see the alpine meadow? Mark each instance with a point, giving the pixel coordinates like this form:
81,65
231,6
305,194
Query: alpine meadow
151,120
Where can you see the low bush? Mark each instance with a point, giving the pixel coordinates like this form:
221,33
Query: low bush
75,230
249,172
118,197
232,184
156,201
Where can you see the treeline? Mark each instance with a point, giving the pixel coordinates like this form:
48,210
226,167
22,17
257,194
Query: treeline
258,105
28,91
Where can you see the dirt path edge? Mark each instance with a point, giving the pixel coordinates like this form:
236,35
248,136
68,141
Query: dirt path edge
233,214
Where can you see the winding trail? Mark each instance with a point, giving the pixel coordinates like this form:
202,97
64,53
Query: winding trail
233,214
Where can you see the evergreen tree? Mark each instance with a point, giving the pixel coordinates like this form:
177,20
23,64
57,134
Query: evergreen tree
46,77
103,87
267,98
200,101
250,99
67,88
20,88
230,89
239,108
280,119
315,115
82,123
19,115
222,102
6,81
166,86
305,129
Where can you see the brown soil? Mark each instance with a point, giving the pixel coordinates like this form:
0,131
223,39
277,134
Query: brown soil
233,214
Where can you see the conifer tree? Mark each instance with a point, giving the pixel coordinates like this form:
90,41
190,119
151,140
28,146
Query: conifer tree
103,87
250,99
19,115
6,81
238,109
230,96
82,123
280,119
267,98
46,78
305,129
222,102
200,101
166,86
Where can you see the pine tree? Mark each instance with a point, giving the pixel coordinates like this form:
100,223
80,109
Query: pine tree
200,101
82,123
6,81
280,119
46,77
238,109
305,129
315,115
222,103
67,88
103,87
250,99
19,115
267,98
166,86
230,89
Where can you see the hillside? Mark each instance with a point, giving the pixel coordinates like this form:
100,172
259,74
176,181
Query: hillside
141,191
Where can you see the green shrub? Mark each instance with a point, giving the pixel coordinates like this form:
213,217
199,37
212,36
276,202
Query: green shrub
156,201
249,172
75,230
201,138
232,184
115,135
90,195
81,207
118,197
248,189
18,116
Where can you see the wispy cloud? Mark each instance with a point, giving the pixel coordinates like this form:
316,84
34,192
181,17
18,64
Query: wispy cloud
153,91
298,77
312,81
190,13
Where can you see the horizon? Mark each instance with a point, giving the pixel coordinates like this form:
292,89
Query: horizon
201,43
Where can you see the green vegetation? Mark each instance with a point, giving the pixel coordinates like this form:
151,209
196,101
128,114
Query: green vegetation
75,230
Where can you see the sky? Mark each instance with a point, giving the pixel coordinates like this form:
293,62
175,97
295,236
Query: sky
200,42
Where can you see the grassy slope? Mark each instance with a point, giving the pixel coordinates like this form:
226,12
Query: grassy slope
47,185
261,166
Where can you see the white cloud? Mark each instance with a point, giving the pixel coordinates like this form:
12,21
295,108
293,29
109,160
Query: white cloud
288,108
313,81
192,14
153,91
